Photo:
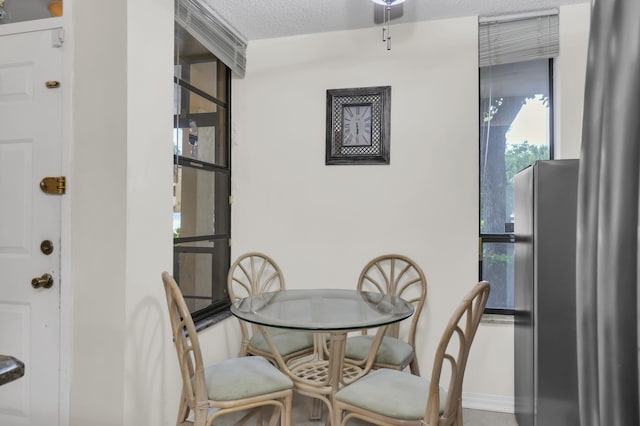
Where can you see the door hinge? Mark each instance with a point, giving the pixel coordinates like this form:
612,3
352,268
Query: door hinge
229,242
54,185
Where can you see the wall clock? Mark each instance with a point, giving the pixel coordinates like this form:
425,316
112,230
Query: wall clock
358,125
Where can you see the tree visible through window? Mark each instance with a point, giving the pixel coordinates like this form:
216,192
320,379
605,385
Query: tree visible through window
515,131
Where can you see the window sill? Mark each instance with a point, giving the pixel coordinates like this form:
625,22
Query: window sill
212,320
497,319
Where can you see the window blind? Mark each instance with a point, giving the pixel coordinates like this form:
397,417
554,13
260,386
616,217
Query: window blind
518,38
216,34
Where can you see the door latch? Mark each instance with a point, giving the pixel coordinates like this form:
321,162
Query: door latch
45,281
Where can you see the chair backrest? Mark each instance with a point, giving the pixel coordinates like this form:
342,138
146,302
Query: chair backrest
187,344
252,273
463,324
400,276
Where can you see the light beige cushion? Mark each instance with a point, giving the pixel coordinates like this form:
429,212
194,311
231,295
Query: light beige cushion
287,342
391,393
244,377
392,351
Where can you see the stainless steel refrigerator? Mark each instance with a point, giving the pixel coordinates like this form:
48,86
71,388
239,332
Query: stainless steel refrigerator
545,207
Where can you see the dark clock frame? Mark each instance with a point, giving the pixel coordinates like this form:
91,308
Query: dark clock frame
379,98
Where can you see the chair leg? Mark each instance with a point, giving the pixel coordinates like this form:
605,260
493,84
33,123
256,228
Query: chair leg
337,417
285,416
183,409
275,415
459,414
259,415
254,412
316,409
244,348
413,365
282,412
200,416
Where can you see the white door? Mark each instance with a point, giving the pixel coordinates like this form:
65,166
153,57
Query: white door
30,149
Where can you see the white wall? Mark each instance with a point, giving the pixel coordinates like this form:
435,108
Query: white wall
98,212
120,187
323,223
570,78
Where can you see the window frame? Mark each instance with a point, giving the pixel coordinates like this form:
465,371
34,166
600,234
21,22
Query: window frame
218,309
507,238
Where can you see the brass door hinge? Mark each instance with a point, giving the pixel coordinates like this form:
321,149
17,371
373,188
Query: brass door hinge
54,185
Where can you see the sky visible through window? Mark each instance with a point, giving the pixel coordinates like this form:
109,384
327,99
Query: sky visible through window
526,126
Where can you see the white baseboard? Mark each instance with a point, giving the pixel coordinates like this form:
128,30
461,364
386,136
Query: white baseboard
488,402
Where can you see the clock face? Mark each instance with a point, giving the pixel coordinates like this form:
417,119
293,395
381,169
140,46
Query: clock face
356,125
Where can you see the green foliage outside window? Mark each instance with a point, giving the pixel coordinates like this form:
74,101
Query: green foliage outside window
517,157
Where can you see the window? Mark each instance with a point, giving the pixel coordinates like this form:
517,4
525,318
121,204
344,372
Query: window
516,129
202,177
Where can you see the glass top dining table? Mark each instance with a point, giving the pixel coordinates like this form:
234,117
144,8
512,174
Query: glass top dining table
322,310
332,312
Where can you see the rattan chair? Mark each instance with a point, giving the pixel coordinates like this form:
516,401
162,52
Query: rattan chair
390,397
396,275
255,273
237,384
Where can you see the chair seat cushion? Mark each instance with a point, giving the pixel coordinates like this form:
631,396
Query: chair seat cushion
391,393
392,351
244,377
287,342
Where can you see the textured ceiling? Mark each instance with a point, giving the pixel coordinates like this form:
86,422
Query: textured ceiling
259,19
